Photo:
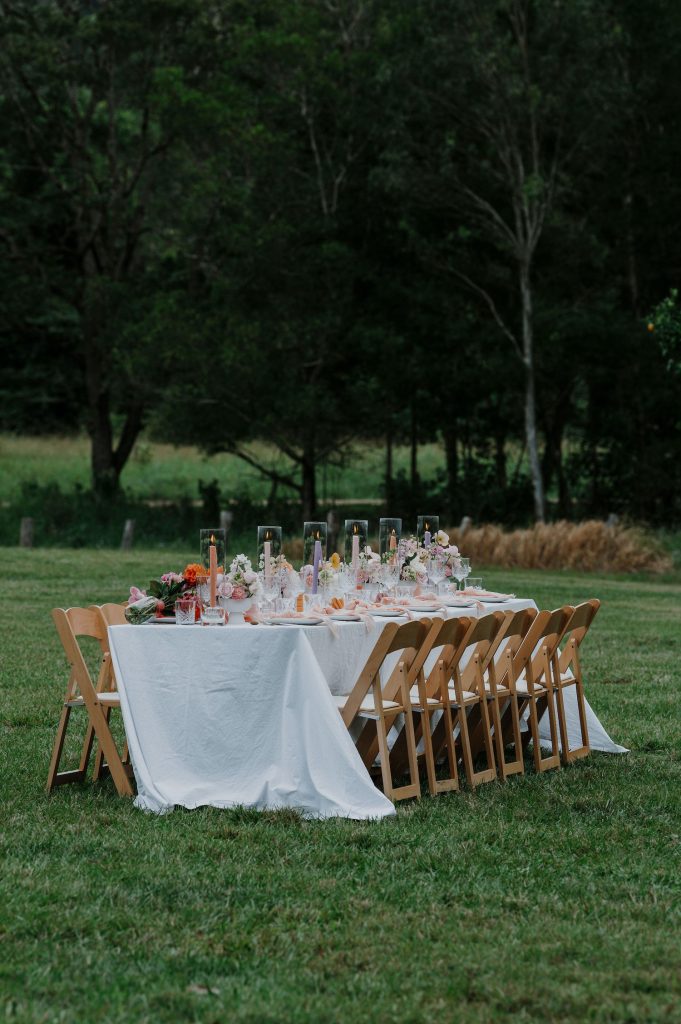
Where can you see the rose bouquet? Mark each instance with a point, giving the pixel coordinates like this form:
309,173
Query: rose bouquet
241,582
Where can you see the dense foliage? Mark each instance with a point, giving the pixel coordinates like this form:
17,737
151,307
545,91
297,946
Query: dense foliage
318,222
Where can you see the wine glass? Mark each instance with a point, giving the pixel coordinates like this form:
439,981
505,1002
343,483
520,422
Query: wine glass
460,571
390,575
271,587
436,570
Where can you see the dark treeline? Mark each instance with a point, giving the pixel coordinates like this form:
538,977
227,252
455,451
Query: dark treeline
321,221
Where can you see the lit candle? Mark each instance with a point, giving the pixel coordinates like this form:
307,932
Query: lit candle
426,539
267,550
213,553
315,565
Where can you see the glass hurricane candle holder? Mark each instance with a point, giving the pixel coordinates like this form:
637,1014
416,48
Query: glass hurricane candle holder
426,528
213,536
358,528
389,533
314,532
268,535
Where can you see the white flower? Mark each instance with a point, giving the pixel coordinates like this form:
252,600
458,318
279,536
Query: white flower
250,576
442,538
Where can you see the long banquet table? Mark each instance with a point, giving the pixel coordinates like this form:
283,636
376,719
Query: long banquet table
244,715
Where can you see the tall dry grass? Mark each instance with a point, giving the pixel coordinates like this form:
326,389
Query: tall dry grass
591,546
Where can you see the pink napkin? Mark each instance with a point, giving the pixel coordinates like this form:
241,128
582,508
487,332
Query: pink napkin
472,592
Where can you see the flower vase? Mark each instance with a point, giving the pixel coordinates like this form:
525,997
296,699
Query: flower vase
236,609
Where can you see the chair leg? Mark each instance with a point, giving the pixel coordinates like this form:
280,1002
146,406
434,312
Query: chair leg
568,755
54,776
385,758
428,750
542,764
452,783
504,766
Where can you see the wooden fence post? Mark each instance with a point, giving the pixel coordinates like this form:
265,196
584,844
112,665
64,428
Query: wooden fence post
26,532
466,524
128,535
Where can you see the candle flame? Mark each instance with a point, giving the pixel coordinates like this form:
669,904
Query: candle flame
212,538
355,528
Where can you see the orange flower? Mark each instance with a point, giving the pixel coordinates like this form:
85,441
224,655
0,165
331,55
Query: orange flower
192,571
335,560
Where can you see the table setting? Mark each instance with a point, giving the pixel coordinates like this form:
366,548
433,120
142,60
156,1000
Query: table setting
233,702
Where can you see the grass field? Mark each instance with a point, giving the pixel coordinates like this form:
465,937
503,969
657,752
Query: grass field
554,898
158,471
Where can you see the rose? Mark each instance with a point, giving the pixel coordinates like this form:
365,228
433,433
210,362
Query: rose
250,577
239,593
225,589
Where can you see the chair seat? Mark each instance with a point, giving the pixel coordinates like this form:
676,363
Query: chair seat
108,697
522,686
467,695
416,700
367,707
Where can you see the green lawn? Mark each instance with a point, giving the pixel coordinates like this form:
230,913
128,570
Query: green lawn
159,471
554,898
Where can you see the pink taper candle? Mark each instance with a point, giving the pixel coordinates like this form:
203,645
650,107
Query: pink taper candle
355,552
213,573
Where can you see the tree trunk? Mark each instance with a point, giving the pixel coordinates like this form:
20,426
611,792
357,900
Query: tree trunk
308,467
530,398
452,463
102,463
388,469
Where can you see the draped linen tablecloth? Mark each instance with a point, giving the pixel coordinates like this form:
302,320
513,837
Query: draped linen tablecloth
236,716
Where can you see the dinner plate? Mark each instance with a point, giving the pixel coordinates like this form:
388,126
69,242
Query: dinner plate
161,622
303,620
387,613
494,600
423,607
458,604
345,617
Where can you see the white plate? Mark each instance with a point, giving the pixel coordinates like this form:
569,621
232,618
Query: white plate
494,600
388,613
425,607
345,617
166,620
304,620
458,604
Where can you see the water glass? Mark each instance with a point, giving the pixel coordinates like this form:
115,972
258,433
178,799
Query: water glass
185,611
475,583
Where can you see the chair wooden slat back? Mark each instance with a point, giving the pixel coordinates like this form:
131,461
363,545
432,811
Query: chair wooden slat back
568,673
72,624
382,700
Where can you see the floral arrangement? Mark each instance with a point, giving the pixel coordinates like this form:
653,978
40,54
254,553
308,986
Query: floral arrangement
241,582
369,570
163,593
326,575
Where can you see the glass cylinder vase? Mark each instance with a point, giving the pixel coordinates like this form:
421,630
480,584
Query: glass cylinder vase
314,532
213,536
269,547
426,528
389,533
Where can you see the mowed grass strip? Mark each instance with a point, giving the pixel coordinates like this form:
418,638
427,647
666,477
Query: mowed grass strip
553,898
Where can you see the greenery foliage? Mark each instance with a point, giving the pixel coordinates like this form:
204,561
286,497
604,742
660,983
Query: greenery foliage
320,223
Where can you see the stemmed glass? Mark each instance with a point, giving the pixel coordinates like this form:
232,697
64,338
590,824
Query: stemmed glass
271,587
436,570
461,570
390,575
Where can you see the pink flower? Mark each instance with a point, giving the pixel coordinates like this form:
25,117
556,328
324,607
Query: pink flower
225,589
136,595
239,594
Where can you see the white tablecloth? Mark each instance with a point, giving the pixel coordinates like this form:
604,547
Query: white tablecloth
243,715
236,716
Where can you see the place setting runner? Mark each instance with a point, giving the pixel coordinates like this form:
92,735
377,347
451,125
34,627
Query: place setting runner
408,576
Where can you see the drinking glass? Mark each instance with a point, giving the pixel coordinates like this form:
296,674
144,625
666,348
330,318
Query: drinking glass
271,587
465,570
436,569
390,575
459,571
475,583
185,611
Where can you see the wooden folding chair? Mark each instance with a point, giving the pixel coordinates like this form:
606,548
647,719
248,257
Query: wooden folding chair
380,703
528,675
110,615
496,670
82,692
568,672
